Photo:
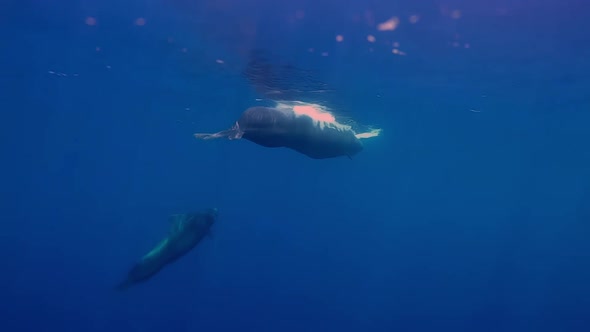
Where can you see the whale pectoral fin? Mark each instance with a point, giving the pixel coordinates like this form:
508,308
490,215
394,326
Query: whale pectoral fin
176,222
370,134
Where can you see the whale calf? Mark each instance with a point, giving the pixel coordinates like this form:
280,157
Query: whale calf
186,231
306,128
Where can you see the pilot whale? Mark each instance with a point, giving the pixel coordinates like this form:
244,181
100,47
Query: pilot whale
309,129
186,231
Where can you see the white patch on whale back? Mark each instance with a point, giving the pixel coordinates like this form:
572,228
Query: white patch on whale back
321,116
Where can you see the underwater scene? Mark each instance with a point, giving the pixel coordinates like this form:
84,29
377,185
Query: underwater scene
303,165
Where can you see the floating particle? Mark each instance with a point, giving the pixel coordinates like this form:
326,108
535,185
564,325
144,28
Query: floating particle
389,25
140,21
398,52
91,21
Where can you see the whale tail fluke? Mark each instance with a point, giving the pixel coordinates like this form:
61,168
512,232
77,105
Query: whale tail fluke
123,286
204,136
232,133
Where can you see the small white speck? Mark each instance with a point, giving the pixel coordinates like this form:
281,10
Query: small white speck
258,99
474,111
51,72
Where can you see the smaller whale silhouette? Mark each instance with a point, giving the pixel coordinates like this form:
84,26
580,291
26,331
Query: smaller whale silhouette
306,128
186,231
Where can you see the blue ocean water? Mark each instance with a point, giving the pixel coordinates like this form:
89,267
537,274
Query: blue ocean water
469,213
